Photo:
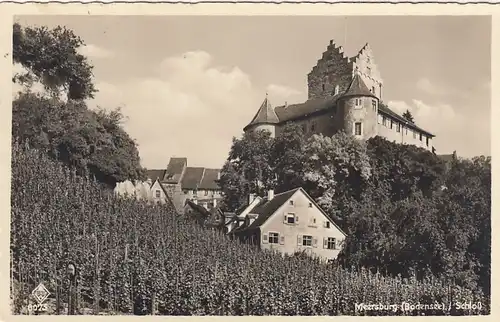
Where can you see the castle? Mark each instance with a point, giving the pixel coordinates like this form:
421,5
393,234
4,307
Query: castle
343,94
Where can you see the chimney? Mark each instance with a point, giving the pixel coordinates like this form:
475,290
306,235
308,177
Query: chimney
270,194
251,198
331,41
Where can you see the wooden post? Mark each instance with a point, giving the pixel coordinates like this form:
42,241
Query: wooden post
72,288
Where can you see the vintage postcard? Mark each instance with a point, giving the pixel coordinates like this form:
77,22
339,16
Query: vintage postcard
190,161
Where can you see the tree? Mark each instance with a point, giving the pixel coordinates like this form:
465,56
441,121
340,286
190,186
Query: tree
91,141
337,169
51,57
287,155
405,168
408,116
248,168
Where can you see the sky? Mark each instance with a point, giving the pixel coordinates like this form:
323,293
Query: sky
189,84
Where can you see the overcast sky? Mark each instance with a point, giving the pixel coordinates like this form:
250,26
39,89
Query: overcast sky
189,84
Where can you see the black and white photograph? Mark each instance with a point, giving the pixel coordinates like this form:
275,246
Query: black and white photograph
250,165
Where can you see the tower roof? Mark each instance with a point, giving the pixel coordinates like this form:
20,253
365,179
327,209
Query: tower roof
358,88
265,114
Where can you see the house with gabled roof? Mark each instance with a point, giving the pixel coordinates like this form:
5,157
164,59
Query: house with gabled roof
290,222
188,183
344,94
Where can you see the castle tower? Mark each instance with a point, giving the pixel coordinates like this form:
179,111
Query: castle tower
364,64
333,70
265,119
360,109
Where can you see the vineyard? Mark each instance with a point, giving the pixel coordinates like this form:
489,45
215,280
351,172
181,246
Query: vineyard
136,258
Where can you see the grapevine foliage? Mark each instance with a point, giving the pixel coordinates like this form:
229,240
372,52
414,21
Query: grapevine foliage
133,257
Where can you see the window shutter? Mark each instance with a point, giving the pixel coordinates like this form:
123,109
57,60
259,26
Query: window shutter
315,242
299,240
325,242
282,240
264,238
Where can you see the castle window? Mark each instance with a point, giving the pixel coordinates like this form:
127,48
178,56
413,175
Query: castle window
398,127
427,140
357,128
384,121
358,103
323,86
420,136
374,104
392,123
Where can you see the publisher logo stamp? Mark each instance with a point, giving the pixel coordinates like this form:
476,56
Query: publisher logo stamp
40,293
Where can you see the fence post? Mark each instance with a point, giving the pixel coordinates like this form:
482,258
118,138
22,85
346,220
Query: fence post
72,288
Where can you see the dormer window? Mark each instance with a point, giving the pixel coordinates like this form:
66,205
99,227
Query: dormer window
158,193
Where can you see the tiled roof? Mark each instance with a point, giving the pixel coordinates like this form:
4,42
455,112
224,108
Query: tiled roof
386,110
209,180
293,111
154,174
174,170
357,88
267,208
192,178
265,114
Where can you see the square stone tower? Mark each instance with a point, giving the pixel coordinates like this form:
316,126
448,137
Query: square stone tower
334,72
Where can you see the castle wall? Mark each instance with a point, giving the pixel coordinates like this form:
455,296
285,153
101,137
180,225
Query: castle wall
366,114
405,135
332,69
368,70
268,127
327,124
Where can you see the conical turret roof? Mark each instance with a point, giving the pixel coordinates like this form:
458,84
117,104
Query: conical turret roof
265,114
358,88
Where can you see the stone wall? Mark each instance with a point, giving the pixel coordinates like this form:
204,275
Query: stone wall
405,135
326,123
332,69
366,114
365,64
